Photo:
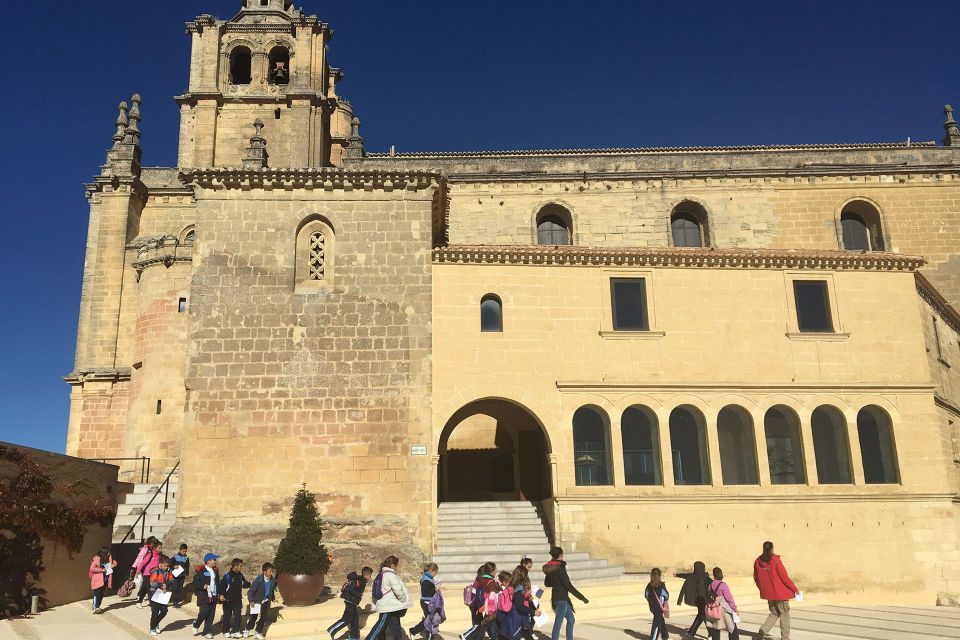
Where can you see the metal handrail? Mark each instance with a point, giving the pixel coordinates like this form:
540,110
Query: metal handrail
142,518
144,465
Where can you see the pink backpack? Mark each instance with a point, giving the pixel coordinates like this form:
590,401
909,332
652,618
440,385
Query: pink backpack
505,600
468,594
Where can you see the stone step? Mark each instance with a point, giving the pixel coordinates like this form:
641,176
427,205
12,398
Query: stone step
153,487
465,539
466,526
458,580
487,505
144,498
539,559
154,519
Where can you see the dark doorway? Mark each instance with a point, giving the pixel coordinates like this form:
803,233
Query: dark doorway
493,450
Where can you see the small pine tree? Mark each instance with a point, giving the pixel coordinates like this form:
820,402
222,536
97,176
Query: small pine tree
301,552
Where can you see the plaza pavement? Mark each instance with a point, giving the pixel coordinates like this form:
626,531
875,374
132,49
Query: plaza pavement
121,620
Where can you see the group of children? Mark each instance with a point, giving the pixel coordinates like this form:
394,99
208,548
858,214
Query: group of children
710,595
161,579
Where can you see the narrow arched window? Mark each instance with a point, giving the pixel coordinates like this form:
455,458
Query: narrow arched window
877,446
279,61
591,460
688,440
240,65
860,227
738,451
491,314
784,447
688,225
641,447
314,253
554,225
830,445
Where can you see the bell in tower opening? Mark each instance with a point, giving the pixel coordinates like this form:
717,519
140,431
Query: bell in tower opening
279,66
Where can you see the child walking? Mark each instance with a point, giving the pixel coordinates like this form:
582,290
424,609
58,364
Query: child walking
149,562
100,579
161,579
694,593
729,615
181,560
428,588
658,599
231,596
205,584
352,594
262,592
391,600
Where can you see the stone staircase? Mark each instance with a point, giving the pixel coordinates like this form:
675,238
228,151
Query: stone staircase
158,519
471,533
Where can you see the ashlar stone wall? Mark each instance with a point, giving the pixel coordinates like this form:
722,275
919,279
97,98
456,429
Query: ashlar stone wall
324,383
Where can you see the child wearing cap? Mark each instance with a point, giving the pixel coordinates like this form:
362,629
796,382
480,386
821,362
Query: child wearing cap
205,583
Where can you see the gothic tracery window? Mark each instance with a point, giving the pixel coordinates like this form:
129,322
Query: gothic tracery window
317,255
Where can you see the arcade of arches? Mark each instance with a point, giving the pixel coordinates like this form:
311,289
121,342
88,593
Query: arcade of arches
497,450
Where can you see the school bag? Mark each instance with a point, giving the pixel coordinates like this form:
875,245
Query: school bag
377,590
478,598
713,611
127,588
505,600
468,592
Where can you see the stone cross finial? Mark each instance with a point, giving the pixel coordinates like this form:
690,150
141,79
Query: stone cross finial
121,124
355,142
952,139
257,151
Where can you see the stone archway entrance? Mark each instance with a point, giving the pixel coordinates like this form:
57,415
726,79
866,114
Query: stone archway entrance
493,449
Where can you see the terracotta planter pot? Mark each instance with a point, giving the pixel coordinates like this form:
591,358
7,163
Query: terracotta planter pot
300,590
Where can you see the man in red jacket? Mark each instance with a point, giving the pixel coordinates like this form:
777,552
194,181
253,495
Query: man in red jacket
776,588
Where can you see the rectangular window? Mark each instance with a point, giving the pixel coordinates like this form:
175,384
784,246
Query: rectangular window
629,297
813,306
182,305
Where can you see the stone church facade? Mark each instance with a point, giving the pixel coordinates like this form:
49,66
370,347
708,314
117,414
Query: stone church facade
675,352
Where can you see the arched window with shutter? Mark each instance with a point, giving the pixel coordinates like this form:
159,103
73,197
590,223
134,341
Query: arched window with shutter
860,227
491,314
688,225
554,226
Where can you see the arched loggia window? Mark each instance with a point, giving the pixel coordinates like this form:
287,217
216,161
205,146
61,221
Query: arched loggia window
830,445
279,61
590,450
689,441
877,446
641,447
781,428
738,451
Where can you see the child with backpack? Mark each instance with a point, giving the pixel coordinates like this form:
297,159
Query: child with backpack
658,599
261,594
145,549
556,577
161,579
351,592
391,600
721,610
515,607
149,562
428,588
206,581
231,596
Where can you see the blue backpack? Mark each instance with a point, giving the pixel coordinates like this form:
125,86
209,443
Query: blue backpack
377,589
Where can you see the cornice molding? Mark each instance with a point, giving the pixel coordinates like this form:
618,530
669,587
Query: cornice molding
935,299
104,374
325,179
166,260
704,258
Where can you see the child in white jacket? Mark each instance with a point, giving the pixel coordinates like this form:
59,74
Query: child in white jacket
391,599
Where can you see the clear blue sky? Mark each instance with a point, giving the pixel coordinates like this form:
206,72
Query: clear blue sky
431,75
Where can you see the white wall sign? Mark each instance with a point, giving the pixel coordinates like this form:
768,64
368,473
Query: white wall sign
418,450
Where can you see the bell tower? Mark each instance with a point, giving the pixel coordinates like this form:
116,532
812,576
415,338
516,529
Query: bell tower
267,63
